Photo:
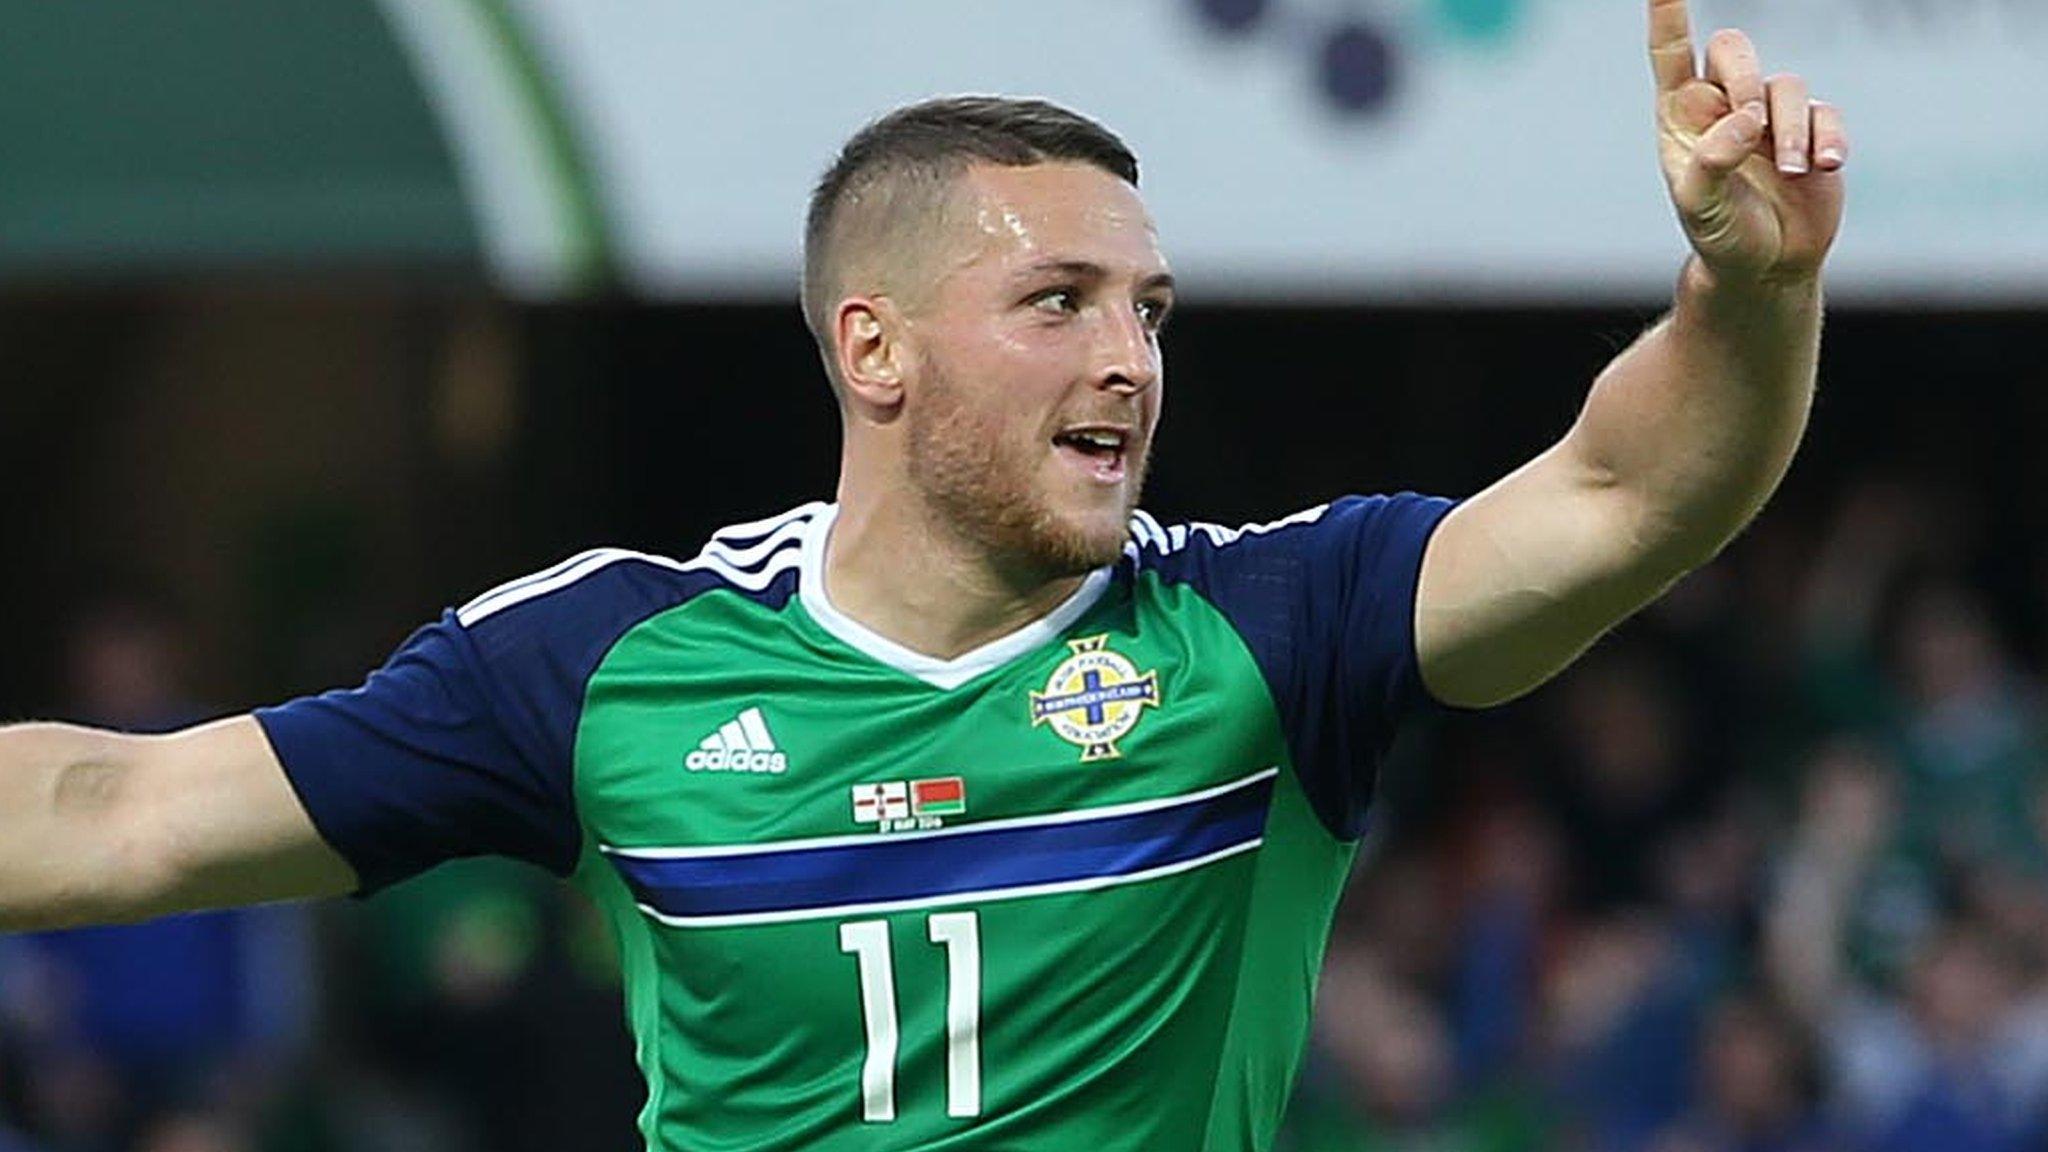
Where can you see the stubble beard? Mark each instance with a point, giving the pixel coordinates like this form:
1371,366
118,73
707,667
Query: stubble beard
980,484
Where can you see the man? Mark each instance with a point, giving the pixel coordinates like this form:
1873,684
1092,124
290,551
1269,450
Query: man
977,810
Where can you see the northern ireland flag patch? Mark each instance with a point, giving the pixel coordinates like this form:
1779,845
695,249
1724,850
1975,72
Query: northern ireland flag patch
876,803
907,805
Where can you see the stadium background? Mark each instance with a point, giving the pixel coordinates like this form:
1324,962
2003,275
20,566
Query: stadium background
317,317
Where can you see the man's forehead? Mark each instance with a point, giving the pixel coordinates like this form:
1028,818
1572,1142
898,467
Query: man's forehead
1018,216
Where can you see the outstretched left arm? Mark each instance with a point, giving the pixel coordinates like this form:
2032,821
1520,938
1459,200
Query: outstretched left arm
1687,433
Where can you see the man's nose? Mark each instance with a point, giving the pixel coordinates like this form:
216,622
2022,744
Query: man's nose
1129,356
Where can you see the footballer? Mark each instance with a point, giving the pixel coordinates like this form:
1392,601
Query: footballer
975,808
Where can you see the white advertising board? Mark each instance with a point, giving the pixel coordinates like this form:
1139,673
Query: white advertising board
1503,153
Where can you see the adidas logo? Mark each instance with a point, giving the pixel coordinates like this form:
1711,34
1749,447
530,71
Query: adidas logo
741,744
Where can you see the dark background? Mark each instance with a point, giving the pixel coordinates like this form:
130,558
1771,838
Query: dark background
647,426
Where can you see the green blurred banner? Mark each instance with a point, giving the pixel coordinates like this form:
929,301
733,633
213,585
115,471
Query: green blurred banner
225,134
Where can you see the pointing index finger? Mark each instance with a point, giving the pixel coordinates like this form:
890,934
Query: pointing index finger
1671,54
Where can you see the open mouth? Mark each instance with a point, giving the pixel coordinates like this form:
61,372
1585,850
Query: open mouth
1100,449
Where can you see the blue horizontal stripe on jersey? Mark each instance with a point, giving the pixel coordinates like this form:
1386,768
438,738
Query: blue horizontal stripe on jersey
890,869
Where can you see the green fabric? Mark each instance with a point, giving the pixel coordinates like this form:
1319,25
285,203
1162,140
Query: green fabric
1166,1013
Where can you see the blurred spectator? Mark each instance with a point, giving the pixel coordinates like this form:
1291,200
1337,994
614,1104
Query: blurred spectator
12,1138
1625,773
125,657
1512,894
479,987
1758,1087
1622,1001
1848,863
1971,746
1403,906
1384,1079
1961,1065
192,1132
1945,694
1958,1060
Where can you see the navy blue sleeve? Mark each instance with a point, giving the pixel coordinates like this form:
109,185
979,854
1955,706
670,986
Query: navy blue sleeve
1325,601
463,743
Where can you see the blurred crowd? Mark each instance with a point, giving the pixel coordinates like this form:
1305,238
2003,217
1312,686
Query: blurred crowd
1768,872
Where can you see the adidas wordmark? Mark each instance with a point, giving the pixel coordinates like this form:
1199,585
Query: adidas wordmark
741,744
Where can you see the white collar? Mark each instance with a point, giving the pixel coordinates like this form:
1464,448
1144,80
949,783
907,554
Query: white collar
930,669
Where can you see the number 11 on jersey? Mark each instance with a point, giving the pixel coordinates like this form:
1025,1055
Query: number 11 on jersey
867,941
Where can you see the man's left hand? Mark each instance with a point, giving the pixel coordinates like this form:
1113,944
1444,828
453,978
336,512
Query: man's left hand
1754,164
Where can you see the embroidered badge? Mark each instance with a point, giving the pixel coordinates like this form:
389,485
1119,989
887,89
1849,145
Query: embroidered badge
1094,698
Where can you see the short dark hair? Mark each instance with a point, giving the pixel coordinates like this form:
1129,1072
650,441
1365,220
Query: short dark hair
927,145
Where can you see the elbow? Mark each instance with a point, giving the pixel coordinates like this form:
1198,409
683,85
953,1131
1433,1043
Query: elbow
102,798
78,848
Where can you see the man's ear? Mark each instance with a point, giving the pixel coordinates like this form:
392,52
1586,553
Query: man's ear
871,350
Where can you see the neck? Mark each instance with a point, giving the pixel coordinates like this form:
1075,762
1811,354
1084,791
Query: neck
902,574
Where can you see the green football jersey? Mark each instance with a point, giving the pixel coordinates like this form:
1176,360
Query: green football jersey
1067,891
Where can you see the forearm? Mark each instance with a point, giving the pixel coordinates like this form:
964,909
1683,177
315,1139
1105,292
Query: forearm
1693,427
1689,431
70,853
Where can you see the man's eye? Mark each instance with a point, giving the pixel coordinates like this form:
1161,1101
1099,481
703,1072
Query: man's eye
1153,313
1057,300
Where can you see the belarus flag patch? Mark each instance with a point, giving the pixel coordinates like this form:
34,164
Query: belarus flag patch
943,796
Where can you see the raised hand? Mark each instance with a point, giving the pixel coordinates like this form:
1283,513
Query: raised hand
1754,164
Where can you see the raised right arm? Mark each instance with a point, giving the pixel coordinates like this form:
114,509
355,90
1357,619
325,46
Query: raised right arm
100,828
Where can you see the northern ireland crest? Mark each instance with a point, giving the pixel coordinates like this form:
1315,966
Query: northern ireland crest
1094,698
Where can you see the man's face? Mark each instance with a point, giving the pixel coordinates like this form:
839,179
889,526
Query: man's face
1034,381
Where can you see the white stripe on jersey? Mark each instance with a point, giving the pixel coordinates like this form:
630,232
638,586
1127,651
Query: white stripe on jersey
788,555
782,551
754,553
1148,533
1147,529
530,579
520,591
755,529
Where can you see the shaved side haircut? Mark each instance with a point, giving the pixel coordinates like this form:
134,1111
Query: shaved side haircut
882,197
